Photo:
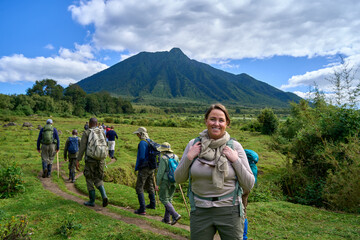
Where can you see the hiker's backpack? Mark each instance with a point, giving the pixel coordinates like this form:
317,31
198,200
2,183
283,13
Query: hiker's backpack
97,147
172,163
73,145
253,158
154,154
47,134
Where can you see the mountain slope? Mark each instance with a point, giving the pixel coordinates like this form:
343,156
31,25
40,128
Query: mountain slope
172,75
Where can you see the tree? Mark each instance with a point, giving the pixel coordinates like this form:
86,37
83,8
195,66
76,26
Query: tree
344,81
46,87
77,96
269,121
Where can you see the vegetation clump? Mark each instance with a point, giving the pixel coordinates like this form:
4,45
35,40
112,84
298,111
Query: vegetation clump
15,228
11,179
323,158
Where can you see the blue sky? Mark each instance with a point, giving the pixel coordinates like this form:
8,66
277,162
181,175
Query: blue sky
287,44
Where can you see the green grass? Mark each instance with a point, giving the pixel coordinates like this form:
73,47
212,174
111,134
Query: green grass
269,216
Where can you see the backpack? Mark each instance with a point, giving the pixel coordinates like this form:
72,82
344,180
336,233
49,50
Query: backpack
154,154
172,163
73,145
97,147
47,134
253,158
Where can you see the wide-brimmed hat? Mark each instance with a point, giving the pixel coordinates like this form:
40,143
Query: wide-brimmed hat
165,147
49,121
140,130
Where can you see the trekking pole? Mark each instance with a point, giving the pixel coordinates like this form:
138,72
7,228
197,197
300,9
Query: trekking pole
57,163
156,192
182,193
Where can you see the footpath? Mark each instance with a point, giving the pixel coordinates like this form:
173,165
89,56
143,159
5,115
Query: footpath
140,222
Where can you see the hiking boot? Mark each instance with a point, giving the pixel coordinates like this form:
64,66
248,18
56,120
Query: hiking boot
164,221
45,173
91,202
176,219
138,211
142,204
152,204
103,195
149,206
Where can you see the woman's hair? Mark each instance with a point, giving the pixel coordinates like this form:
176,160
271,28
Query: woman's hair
220,107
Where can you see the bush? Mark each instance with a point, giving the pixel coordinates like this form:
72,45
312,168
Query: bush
268,121
108,120
322,146
11,180
68,227
16,228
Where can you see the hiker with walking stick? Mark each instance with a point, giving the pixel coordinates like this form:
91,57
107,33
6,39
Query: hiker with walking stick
50,144
145,177
166,182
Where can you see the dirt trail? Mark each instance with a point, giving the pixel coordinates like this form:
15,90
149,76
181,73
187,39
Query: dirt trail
142,223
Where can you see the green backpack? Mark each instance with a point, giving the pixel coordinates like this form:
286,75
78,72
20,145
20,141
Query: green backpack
47,134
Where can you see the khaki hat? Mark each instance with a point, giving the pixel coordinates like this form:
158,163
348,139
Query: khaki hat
140,130
165,147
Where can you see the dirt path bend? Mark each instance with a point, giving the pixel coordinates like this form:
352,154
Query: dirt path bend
142,223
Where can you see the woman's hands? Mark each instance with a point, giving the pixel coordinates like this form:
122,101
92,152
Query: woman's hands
230,154
194,151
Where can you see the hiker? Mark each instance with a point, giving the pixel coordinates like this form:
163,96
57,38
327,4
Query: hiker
94,161
50,144
111,135
166,186
71,149
217,169
145,177
253,158
86,126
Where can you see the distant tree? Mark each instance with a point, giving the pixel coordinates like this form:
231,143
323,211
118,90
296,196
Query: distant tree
5,102
346,86
268,121
46,87
93,104
77,96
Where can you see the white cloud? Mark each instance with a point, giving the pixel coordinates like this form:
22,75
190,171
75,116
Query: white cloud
68,67
320,76
218,29
49,46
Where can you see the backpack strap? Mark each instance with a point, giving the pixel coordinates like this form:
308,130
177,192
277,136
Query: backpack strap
236,193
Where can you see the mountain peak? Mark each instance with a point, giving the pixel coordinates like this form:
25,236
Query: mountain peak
178,54
176,50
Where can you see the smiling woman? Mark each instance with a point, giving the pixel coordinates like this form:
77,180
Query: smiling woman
218,172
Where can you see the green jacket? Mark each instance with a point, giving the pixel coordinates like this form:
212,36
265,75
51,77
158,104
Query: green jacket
164,168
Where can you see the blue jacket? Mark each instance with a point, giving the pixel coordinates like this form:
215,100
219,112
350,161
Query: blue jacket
142,155
55,136
110,135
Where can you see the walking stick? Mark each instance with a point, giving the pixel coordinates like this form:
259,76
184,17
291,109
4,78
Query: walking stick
156,192
57,163
182,193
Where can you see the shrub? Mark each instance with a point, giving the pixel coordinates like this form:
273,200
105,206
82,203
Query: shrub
109,120
16,228
268,121
68,227
11,180
322,146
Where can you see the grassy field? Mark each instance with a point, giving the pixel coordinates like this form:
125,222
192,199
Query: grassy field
269,215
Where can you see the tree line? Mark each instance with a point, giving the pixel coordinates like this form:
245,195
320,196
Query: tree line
46,96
